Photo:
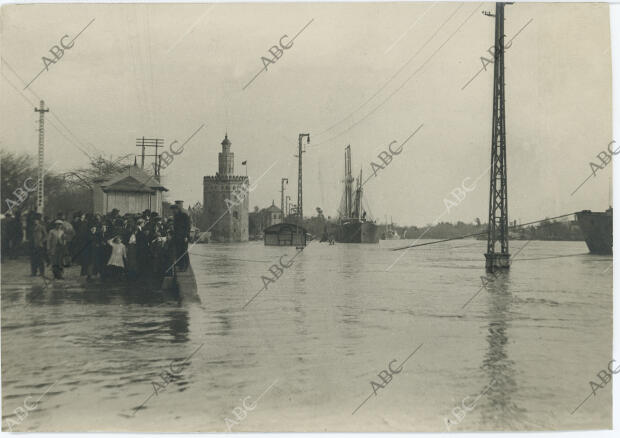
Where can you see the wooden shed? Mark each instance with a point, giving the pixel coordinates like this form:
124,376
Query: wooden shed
285,235
130,191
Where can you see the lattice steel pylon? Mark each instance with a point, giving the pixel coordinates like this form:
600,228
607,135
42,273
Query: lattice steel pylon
497,255
41,171
300,191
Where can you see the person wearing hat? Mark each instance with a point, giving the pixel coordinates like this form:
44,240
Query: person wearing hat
56,248
90,252
15,234
69,234
37,246
142,248
182,226
80,226
6,221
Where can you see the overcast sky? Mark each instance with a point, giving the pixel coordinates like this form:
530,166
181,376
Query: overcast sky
358,74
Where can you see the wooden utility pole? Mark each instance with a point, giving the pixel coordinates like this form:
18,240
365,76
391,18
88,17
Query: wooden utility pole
151,143
143,151
41,172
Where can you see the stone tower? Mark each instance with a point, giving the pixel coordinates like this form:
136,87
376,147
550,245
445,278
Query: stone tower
226,200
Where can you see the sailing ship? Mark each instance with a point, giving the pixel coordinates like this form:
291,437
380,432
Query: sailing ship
597,229
353,226
389,233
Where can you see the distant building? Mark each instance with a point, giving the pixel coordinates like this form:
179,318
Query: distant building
130,190
226,200
264,218
255,226
271,215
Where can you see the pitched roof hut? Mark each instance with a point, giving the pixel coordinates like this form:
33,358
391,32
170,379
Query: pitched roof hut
130,190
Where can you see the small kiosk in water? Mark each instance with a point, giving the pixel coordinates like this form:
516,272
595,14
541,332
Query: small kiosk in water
285,235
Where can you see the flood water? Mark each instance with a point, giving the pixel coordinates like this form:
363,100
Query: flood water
312,342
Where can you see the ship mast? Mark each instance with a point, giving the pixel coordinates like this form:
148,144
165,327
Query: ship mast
358,197
348,184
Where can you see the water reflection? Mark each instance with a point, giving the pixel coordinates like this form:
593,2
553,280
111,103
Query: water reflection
224,320
178,324
90,293
298,294
36,295
499,412
331,314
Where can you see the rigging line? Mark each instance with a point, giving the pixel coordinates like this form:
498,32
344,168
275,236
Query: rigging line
407,80
52,113
49,121
395,74
482,232
365,201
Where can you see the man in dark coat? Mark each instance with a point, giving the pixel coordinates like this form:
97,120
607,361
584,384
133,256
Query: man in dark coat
106,233
37,242
15,235
30,217
76,244
79,242
88,255
142,249
5,235
182,227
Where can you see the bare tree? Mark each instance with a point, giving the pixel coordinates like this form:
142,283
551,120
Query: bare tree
99,166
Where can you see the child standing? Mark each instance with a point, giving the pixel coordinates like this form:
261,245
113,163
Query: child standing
116,263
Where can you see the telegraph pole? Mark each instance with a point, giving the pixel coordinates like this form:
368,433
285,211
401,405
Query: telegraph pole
143,150
284,180
498,196
151,143
41,172
300,208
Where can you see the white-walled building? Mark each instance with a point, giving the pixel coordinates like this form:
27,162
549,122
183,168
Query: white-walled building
131,190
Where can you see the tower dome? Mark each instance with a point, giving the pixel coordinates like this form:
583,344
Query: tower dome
226,159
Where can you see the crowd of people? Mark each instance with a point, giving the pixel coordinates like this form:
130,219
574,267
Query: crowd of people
130,247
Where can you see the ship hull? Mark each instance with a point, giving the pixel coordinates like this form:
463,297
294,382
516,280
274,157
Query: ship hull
597,229
358,232
390,236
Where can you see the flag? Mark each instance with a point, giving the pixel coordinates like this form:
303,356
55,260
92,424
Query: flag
243,163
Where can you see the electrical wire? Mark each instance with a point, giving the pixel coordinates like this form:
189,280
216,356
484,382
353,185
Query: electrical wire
482,232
